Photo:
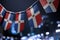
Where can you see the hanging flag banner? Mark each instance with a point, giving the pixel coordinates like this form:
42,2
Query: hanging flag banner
19,22
34,16
49,5
8,20
2,12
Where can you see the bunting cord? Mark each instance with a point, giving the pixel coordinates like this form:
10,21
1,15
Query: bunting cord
20,11
23,10
33,4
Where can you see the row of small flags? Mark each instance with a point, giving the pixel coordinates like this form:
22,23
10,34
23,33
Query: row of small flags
9,18
17,19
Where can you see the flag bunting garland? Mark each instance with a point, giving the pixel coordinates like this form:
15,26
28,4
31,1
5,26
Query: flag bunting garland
33,15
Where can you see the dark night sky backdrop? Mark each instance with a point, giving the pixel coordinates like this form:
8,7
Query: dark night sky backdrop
17,5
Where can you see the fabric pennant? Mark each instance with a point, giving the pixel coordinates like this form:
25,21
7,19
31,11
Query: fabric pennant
19,22
8,20
34,16
49,5
2,12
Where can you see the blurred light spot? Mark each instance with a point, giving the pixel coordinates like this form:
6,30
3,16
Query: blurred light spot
58,30
47,33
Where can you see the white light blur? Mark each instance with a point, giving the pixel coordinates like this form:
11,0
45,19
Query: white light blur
38,35
30,39
13,31
35,36
42,34
38,39
28,34
47,33
24,38
40,25
8,37
58,25
58,30
51,38
11,38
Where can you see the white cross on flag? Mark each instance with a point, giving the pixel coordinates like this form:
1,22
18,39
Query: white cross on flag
49,5
34,16
19,22
8,20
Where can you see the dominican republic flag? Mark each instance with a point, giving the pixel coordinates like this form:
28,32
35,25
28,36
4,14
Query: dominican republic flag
2,12
34,16
8,20
49,5
19,22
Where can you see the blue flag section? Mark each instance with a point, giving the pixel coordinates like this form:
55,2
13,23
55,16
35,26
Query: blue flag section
49,5
2,12
34,16
13,31
8,20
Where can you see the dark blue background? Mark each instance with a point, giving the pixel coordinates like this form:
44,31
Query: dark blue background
17,5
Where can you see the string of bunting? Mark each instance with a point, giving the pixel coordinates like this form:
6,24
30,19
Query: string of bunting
16,20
